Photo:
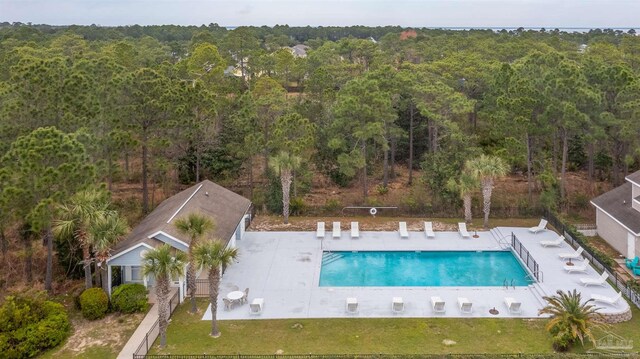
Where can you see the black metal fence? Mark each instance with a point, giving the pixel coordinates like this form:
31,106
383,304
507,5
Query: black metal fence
594,258
526,257
153,333
391,356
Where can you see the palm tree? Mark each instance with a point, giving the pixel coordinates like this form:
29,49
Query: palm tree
486,169
195,226
465,185
571,319
106,232
76,217
163,265
285,163
214,256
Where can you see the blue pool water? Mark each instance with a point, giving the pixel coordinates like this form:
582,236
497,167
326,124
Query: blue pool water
421,269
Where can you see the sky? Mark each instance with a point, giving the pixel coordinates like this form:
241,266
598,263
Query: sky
417,13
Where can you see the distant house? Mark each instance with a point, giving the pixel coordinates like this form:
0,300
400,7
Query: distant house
618,216
299,50
228,210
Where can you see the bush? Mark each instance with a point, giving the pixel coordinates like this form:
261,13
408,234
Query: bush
31,325
94,303
297,206
129,298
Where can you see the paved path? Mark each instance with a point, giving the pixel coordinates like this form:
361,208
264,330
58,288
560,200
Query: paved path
138,336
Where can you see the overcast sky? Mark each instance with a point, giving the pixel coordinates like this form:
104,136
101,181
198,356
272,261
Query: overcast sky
419,13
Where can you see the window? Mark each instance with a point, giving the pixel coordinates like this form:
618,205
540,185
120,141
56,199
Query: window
136,274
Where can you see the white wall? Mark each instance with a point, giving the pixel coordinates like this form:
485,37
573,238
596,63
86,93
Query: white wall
612,232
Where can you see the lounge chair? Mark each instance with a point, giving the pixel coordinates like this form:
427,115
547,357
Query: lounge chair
555,243
255,307
575,255
355,231
578,268
320,230
462,229
351,305
437,304
465,305
245,296
512,305
428,230
606,299
590,281
630,263
540,227
228,304
403,230
336,230
397,305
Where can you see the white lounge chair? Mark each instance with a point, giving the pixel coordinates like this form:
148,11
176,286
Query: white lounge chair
540,227
462,229
428,230
554,243
403,230
336,230
255,308
355,231
397,305
437,304
575,255
606,299
351,305
465,305
512,305
578,268
599,281
320,230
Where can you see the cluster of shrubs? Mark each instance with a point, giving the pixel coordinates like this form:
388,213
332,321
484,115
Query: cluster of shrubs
126,298
30,325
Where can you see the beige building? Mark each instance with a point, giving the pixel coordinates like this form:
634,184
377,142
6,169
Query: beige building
618,216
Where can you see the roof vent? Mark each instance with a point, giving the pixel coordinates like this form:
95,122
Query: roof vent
624,201
206,194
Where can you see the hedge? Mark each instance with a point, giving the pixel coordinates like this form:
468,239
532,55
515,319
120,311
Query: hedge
94,303
129,298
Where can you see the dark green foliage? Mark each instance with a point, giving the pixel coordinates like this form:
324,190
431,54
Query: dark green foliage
297,206
129,298
94,303
31,325
273,196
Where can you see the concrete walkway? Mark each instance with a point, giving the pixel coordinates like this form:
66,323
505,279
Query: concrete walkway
139,335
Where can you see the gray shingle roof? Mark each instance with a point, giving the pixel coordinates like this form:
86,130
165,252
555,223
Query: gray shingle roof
225,207
634,177
617,203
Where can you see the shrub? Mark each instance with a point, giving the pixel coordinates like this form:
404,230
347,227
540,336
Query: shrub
382,190
94,303
297,206
332,206
129,298
30,325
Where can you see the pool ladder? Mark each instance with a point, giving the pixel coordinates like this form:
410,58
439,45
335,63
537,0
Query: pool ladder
506,284
330,257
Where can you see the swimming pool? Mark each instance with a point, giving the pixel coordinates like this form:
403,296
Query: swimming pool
421,269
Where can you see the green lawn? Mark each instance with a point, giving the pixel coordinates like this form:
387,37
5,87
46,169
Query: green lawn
188,334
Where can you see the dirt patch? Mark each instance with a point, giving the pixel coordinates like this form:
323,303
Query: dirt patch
274,223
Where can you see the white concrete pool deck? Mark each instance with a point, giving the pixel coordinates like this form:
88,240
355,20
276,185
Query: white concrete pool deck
284,269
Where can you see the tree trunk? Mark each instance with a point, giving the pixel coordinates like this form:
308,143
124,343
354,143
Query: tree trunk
214,288
554,157
109,172
48,279
392,158
162,295
410,144
86,264
487,188
126,165
591,154
145,189
198,166
385,167
563,169
529,168
364,171
3,240
251,177
285,181
191,278
28,258
466,199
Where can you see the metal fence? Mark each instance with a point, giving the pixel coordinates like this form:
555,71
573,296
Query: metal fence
153,333
594,258
390,356
202,287
526,257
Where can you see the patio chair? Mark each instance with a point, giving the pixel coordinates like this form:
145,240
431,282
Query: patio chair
336,230
512,305
428,230
575,255
540,227
465,305
403,230
351,305
555,243
438,305
320,230
245,297
462,229
228,304
630,263
599,281
397,305
578,268
255,308
355,230
605,299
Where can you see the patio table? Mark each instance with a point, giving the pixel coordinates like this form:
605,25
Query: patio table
235,296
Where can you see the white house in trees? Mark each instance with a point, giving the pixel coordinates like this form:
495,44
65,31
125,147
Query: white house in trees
229,211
